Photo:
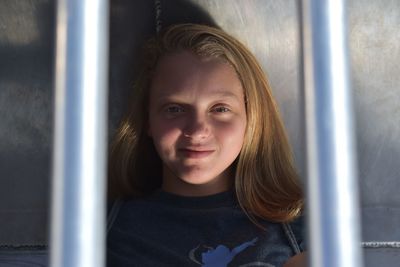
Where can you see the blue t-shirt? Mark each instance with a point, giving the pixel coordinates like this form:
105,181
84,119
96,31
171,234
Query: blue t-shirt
170,230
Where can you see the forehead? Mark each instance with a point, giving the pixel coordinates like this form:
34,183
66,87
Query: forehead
185,72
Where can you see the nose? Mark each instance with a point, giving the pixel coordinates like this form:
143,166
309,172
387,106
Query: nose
197,127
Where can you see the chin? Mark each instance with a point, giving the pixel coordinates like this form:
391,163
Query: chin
195,179
196,175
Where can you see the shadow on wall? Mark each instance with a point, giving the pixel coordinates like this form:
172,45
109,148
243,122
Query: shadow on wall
133,22
27,45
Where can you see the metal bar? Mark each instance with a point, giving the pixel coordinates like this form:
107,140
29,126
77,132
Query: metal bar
334,234
79,155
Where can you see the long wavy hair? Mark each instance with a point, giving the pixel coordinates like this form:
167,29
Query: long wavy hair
266,181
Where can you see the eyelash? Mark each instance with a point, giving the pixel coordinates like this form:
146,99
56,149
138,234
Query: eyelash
174,109
221,109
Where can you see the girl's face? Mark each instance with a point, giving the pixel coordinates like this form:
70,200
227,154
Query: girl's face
197,120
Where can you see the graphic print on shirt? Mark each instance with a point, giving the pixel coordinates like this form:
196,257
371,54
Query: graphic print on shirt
221,256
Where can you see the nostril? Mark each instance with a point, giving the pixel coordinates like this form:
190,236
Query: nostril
199,131
197,126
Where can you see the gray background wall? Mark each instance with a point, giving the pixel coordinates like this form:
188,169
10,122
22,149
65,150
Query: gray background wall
269,28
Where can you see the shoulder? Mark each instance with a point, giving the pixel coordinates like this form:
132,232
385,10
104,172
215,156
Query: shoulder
123,212
113,208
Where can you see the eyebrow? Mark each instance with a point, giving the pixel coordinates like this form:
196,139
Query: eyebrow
222,94
225,94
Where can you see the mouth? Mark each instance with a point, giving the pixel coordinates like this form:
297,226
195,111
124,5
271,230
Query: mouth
195,153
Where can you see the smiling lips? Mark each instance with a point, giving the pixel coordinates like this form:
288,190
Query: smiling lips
195,153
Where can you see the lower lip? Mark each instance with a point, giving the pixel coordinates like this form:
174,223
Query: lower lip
196,154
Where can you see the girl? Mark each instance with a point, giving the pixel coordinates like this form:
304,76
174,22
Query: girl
202,161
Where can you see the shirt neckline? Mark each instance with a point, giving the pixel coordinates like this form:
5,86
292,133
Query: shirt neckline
223,199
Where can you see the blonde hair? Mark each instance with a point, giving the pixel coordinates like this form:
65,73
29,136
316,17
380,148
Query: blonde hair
266,182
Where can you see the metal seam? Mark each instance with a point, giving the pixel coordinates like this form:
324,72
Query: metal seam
157,6
380,244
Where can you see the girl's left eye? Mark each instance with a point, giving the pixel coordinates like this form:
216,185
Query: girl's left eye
221,109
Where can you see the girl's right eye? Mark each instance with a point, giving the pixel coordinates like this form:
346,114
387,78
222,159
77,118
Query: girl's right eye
174,109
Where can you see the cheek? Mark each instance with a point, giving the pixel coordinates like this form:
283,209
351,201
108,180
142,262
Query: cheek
164,133
232,135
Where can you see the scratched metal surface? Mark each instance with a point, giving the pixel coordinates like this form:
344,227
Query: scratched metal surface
269,28
26,99
375,47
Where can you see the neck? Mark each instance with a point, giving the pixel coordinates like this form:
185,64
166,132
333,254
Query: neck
176,185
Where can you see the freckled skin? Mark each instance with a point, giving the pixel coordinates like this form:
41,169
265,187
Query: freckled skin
197,120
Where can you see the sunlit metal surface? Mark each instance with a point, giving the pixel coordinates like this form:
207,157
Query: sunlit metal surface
25,23
78,199
332,176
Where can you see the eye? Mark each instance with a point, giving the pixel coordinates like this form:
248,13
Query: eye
221,109
173,109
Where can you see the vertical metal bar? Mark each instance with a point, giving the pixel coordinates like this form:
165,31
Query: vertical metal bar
79,156
332,184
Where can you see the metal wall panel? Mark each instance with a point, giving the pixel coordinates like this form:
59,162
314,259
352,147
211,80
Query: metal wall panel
375,53
270,29
26,61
